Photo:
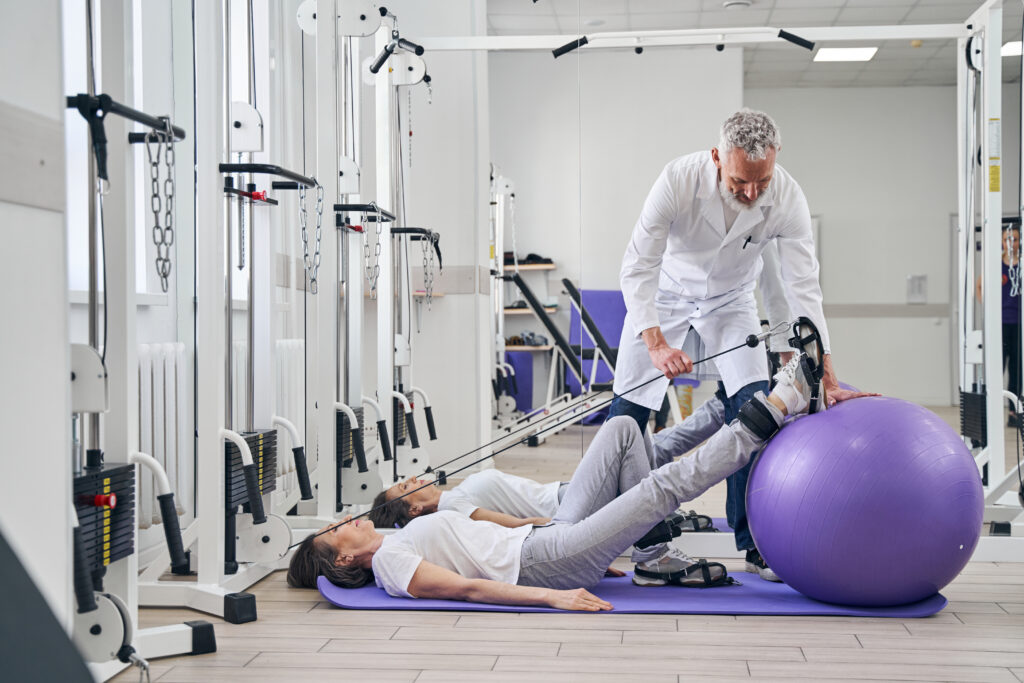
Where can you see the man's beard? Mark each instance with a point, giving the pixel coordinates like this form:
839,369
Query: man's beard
735,204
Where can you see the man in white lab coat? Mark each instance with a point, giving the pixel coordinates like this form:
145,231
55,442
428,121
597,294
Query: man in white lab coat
693,262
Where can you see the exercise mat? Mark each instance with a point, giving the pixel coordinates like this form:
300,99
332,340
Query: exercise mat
755,596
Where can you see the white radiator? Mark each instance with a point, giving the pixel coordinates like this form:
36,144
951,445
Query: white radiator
165,426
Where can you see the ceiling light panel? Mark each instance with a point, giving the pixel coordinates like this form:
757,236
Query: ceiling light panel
845,54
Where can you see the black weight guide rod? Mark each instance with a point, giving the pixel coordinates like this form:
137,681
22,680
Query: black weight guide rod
752,341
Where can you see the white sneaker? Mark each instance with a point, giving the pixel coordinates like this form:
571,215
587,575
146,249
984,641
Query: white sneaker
676,567
796,387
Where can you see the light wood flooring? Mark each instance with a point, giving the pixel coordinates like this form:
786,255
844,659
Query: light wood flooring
300,637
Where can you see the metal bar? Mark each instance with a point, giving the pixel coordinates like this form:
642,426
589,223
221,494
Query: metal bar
108,105
267,169
708,36
94,341
364,208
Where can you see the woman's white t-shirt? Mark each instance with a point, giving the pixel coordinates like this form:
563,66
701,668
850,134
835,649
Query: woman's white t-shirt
500,492
472,549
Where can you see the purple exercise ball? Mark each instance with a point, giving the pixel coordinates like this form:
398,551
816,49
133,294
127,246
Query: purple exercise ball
873,502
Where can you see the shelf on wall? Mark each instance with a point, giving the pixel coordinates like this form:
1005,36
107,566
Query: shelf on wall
545,347
509,267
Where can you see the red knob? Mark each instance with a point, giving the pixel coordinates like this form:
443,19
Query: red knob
105,501
262,196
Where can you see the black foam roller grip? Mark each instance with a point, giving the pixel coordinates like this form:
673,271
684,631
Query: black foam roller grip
430,423
382,57
496,388
410,46
357,446
515,386
385,441
796,40
569,47
172,534
302,472
252,487
83,582
410,424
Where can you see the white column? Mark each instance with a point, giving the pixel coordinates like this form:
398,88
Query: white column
385,283
210,278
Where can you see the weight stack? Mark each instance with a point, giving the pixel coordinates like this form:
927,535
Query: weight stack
343,436
973,417
344,454
398,414
107,534
263,444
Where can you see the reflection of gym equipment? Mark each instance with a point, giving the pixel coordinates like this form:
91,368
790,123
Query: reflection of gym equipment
979,326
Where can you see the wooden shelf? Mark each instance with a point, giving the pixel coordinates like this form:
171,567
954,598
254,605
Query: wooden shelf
546,347
510,267
529,311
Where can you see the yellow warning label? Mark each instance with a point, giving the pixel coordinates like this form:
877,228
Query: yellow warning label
492,251
106,546
993,178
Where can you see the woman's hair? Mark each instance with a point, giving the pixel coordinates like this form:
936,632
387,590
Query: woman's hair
314,559
752,131
385,515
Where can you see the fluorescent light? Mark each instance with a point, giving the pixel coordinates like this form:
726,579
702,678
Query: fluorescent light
1011,49
845,54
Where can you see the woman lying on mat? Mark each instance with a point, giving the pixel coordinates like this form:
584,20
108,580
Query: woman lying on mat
448,556
511,501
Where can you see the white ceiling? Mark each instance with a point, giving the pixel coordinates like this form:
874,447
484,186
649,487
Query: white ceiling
777,64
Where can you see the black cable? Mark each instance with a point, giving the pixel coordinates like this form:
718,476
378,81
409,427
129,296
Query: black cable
517,443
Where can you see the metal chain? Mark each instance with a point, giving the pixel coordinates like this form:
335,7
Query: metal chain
169,161
408,121
376,255
1012,250
428,268
366,251
160,234
312,265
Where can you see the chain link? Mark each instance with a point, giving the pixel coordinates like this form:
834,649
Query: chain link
163,237
311,264
427,244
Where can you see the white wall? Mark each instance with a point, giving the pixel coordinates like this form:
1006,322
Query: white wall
878,165
35,496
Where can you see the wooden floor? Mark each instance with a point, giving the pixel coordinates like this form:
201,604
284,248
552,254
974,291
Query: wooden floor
299,637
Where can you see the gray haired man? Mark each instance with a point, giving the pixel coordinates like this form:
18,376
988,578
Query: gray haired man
692,263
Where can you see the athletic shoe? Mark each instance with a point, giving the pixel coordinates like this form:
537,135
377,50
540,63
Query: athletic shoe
676,567
794,386
756,565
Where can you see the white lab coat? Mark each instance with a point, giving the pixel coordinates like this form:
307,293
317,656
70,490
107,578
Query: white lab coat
682,269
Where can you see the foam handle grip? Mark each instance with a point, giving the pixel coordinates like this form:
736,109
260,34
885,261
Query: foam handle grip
357,447
302,473
494,387
515,387
382,57
430,423
410,46
172,533
83,582
385,441
252,487
796,40
410,424
569,47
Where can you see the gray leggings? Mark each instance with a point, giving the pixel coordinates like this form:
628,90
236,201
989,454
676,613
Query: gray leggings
612,501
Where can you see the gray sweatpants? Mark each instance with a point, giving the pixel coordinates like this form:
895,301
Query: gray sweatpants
605,509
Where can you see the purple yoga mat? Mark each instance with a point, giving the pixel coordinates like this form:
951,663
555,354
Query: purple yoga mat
755,596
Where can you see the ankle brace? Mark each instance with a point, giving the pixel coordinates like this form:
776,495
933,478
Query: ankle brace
756,417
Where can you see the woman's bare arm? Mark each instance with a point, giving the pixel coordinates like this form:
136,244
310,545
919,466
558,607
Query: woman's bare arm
432,581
